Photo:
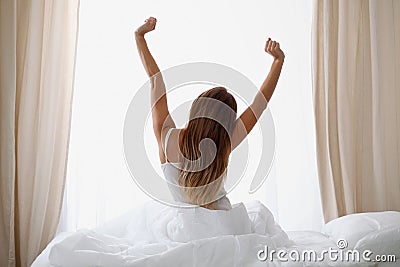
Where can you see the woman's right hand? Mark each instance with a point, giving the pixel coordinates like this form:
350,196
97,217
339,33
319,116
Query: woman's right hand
148,26
273,48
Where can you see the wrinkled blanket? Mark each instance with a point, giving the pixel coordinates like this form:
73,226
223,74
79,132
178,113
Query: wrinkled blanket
159,235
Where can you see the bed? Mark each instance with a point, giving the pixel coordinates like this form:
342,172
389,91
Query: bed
158,235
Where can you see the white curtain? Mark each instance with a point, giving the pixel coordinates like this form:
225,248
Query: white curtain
356,67
232,33
37,47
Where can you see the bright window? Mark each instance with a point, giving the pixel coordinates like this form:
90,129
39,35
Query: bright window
233,33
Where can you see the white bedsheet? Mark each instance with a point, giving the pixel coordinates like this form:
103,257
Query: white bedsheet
159,235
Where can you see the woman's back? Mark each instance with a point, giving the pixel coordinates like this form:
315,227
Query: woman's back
171,171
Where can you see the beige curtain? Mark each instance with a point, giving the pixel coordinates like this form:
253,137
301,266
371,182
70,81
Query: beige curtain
356,84
37,54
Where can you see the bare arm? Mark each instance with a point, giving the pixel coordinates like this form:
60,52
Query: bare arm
250,116
162,120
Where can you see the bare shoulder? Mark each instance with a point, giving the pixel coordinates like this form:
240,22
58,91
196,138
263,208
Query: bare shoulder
171,144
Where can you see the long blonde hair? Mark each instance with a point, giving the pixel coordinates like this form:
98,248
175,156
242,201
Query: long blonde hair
197,189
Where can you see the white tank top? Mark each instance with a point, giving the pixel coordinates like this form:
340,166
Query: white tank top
171,174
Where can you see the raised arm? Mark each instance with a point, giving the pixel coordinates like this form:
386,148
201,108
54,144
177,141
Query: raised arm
250,116
162,120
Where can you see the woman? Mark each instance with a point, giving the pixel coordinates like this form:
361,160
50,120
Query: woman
196,157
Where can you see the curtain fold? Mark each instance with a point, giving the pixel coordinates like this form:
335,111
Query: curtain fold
356,86
7,129
37,46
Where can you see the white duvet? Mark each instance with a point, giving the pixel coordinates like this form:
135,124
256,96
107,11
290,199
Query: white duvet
159,235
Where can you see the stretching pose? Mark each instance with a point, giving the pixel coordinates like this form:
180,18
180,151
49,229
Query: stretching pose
183,161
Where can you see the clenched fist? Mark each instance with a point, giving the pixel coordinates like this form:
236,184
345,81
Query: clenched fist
273,48
148,26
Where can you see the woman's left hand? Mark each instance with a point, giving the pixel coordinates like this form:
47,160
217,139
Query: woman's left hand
148,26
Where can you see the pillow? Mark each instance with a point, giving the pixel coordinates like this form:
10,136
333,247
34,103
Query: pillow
353,227
383,242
